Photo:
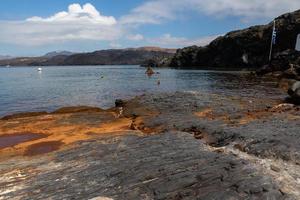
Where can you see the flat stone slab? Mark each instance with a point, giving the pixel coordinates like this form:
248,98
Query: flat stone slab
171,165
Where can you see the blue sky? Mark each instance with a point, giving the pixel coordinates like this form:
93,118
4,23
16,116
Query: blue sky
35,27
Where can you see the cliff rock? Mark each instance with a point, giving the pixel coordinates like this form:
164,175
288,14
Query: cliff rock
247,48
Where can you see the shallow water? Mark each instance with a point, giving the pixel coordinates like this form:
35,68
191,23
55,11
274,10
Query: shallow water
14,139
25,89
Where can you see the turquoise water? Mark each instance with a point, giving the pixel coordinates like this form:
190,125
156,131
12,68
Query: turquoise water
25,89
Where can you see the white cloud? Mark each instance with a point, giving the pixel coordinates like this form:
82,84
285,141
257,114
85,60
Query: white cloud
157,11
115,45
151,12
137,37
78,23
85,14
167,40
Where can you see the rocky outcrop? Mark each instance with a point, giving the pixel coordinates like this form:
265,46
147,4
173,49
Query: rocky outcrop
294,92
248,48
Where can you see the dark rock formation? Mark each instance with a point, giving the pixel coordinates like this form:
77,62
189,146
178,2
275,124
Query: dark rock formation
248,48
294,92
119,103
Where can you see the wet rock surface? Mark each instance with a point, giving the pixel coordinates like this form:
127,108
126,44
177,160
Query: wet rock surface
161,146
171,165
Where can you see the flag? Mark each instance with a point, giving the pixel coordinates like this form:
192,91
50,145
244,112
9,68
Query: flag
274,34
273,40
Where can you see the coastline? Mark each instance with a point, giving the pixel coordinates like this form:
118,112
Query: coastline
242,139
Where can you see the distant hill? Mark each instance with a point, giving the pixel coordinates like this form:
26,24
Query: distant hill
130,56
5,57
158,49
58,53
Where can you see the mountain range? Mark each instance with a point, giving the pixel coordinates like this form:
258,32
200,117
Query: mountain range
129,56
5,57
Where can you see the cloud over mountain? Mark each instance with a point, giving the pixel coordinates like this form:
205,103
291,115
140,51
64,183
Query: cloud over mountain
85,14
78,23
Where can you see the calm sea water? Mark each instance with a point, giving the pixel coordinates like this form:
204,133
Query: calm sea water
25,89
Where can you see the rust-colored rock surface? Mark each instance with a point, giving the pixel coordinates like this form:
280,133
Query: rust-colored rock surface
159,146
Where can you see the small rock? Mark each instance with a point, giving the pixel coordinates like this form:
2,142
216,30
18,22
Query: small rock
282,107
119,103
290,73
275,168
219,150
240,147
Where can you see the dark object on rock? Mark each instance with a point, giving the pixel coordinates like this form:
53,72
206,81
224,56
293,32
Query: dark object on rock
264,70
119,103
291,73
294,92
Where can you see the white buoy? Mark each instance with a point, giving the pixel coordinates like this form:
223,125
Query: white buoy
40,69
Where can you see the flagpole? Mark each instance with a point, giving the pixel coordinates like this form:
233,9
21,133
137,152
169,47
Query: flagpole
272,40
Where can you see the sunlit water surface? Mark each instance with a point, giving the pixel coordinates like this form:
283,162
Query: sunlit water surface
25,89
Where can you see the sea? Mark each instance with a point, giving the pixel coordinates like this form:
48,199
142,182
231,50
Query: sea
26,89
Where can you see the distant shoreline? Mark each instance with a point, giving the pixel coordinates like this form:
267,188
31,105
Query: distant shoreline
212,69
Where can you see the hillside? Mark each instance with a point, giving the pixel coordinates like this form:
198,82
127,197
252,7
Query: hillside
248,48
130,56
58,53
4,57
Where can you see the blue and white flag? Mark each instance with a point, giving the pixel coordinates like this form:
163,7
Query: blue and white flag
274,34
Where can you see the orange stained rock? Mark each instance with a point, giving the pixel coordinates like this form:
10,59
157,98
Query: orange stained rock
139,124
206,113
33,135
245,118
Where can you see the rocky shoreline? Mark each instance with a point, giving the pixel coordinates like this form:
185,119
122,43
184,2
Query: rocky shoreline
180,145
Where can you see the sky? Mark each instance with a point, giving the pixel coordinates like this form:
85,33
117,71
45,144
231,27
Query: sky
35,27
